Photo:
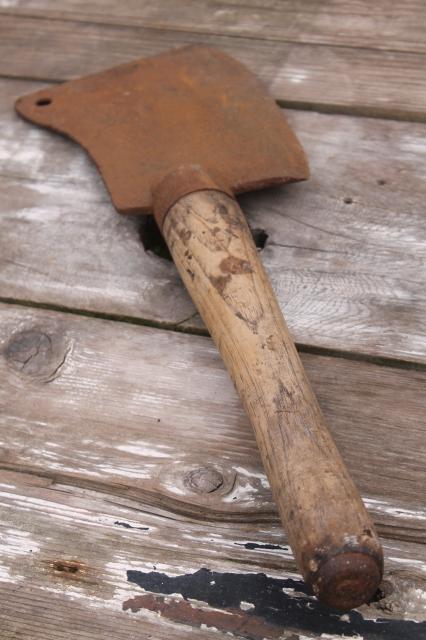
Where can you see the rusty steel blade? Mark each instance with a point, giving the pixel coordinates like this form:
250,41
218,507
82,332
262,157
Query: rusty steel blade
192,106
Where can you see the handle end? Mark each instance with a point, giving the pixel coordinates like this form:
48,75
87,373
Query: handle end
347,580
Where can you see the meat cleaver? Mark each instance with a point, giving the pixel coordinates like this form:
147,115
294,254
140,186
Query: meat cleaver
179,135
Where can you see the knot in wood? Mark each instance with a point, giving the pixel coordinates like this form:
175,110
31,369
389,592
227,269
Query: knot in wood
204,480
28,351
36,353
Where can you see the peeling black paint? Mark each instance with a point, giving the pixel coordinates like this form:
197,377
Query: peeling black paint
304,613
126,525
259,545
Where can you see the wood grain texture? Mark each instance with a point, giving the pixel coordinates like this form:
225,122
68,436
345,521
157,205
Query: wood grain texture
354,23
348,273
326,78
103,469
77,379
78,562
331,535
107,431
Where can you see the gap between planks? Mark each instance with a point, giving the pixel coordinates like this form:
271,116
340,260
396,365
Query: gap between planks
61,372
106,424
323,78
354,23
103,23
180,327
348,276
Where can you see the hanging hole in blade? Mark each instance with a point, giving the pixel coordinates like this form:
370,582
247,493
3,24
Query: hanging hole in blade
43,102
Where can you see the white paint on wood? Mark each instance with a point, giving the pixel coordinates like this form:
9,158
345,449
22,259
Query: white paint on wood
17,542
418,563
108,554
140,448
397,512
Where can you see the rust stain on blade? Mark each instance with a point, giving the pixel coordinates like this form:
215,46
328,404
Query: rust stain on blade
194,106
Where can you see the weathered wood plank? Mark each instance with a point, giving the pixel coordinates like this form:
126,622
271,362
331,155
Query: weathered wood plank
86,463
326,78
346,250
125,448
357,23
86,564
137,409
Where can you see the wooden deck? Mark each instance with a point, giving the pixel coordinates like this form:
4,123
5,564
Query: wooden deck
132,498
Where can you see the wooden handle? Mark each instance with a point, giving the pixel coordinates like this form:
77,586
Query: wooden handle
330,532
